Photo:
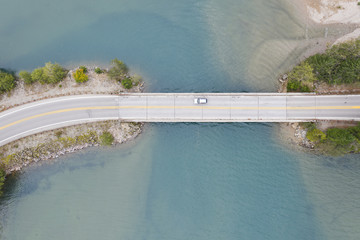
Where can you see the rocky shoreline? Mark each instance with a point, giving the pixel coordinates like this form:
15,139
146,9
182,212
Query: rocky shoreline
55,143
52,144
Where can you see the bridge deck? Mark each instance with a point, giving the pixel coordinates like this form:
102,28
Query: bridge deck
175,107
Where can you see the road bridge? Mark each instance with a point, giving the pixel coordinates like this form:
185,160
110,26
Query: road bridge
175,107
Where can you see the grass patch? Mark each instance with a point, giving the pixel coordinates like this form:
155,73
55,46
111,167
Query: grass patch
106,138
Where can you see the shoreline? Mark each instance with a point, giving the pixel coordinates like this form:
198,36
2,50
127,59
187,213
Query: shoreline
54,143
97,84
323,13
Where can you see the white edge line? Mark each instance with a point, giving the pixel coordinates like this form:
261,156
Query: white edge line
53,101
35,130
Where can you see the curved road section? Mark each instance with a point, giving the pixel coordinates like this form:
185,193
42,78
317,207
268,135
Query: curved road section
175,107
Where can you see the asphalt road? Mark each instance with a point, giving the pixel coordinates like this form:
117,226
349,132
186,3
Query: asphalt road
175,107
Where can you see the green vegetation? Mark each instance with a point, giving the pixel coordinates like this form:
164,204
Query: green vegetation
315,135
7,81
49,74
26,76
106,138
39,76
54,72
2,179
98,70
80,76
335,141
340,64
118,70
127,83
83,68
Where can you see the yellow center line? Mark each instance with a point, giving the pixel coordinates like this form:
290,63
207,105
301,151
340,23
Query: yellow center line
176,107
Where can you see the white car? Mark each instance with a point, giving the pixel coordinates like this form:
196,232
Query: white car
200,101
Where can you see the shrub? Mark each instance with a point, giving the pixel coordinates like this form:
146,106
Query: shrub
106,139
83,68
98,70
302,73
305,88
118,70
7,82
127,83
355,131
339,64
2,179
50,73
54,72
80,76
315,135
293,86
38,75
341,137
26,76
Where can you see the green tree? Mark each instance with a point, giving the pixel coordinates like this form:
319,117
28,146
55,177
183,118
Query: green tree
118,69
38,75
54,72
106,138
80,76
7,82
127,83
26,76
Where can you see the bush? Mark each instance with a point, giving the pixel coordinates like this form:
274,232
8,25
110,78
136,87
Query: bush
26,76
355,131
54,72
2,179
293,86
80,76
339,64
106,139
118,70
302,73
305,88
83,68
315,135
50,73
127,83
341,137
98,70
38,75
7,82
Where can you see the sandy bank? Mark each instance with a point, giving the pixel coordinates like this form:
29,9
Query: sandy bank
333,11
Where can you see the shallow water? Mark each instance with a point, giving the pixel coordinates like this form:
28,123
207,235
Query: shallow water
176,181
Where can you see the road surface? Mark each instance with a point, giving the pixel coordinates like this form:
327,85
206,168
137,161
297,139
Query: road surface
175,107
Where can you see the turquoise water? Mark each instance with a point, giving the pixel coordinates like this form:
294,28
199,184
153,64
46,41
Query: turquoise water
176,181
